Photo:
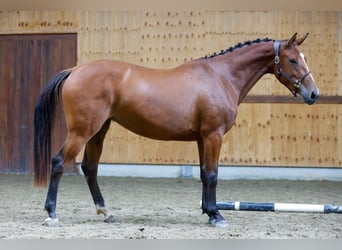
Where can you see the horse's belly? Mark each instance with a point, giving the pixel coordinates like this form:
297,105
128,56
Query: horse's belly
159,132
162,125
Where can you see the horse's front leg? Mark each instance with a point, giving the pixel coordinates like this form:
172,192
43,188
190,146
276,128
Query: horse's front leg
209,149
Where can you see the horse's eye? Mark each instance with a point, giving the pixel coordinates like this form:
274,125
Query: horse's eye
293,61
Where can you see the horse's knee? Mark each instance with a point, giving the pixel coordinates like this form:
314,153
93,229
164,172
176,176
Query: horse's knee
203,175
210,179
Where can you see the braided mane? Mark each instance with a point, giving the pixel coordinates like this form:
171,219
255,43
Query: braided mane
237,46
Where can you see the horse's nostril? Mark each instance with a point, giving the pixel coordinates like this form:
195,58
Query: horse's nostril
314,94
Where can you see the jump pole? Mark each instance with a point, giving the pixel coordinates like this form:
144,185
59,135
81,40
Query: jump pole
278,207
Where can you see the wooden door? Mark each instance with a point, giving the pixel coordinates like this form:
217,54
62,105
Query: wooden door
27,62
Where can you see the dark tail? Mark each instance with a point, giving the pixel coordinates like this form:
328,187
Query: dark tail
44,115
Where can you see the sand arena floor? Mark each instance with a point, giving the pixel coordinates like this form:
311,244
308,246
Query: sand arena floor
165,209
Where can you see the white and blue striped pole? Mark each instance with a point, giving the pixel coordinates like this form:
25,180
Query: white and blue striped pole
278,207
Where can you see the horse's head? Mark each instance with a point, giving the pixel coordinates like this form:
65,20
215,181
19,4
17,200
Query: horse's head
292,70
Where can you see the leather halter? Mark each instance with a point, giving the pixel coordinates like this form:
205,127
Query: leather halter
297,83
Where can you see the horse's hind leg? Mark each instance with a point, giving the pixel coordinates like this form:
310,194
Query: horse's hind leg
69,150
89,166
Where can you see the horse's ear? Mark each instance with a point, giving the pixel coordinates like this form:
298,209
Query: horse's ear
292,40
301,40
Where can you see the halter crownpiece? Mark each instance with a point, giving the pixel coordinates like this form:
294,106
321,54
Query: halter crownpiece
281,73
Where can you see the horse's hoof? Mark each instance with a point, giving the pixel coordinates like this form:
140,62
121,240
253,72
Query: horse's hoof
49,222
111,219
219,224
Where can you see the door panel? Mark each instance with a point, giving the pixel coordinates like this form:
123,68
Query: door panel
27,62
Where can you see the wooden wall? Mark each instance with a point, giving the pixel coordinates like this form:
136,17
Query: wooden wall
272,134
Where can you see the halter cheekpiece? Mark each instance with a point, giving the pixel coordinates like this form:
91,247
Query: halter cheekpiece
281,73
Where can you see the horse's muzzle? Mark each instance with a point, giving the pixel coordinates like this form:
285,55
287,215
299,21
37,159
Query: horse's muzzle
310,98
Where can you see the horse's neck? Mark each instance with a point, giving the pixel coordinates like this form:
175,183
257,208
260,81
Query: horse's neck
246,66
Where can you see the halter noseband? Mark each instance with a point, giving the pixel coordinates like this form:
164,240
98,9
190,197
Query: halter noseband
281,73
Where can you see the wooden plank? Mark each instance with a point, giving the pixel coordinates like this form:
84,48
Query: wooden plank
290,99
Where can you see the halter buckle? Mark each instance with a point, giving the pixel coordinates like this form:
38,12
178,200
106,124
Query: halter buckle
297,84
276,59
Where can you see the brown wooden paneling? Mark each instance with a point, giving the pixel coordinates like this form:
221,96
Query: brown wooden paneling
296,134
27,62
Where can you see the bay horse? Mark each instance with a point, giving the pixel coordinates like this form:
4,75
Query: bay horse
196,101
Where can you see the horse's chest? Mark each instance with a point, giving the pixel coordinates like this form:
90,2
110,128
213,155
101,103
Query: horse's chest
230,119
